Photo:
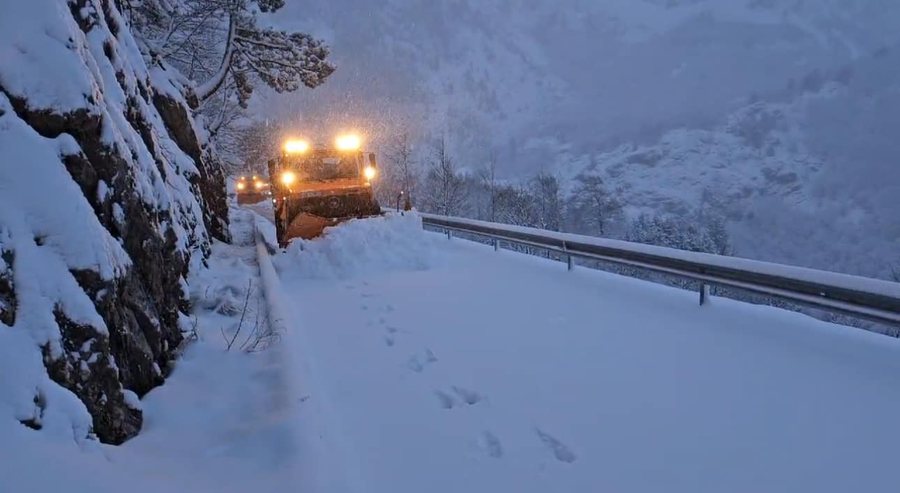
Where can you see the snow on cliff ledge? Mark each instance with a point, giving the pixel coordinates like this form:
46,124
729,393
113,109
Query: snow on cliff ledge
105,193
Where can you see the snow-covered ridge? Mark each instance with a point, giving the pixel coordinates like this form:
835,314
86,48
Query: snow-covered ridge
108,198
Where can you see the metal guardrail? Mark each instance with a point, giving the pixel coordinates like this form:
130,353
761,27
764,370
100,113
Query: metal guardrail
866,298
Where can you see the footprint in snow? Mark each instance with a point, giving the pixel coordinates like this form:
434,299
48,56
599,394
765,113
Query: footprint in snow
470,397
414,364
491,444
444,399
391,329
389,341
430,357
559,449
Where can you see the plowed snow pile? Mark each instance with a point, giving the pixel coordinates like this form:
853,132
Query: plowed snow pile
365,246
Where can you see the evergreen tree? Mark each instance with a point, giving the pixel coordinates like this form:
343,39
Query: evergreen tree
680,234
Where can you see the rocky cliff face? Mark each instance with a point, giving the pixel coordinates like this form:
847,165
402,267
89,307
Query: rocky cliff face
109,197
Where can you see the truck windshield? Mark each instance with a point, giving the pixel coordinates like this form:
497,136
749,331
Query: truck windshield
325,168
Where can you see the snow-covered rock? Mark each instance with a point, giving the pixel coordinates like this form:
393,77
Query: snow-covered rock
108,199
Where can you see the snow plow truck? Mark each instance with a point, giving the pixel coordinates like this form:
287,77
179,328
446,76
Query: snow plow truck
314,188
251,191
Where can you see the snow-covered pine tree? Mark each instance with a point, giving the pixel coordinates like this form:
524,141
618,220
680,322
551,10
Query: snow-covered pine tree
219,45
217,41
718,234
678,233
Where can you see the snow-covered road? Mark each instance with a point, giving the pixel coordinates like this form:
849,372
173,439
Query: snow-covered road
406,362
443,366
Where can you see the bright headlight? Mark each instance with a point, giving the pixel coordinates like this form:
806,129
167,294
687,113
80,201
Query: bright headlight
296,146
347,142
369,172
288,177
259,185
241,185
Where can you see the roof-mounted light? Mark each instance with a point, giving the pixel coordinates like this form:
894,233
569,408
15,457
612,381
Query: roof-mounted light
349,142
296,146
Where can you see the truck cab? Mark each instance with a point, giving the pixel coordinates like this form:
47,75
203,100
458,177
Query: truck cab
313,188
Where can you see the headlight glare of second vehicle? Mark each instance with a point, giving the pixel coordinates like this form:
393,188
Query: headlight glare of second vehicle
288,178
369,172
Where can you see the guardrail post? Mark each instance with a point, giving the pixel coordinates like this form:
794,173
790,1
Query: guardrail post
569,260
496,244
449,234
704,294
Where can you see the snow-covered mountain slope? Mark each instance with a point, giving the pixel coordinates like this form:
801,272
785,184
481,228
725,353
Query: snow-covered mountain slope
501,71
748,157
108,199
795,181
564,85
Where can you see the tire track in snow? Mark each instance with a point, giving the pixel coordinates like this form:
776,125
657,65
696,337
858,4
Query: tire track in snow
328,463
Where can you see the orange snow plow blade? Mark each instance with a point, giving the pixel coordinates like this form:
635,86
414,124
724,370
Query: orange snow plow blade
309,226
251,198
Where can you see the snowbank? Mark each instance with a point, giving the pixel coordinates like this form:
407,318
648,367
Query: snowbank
361,247
223,422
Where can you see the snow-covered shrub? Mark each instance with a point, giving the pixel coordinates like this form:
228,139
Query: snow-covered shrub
681,234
